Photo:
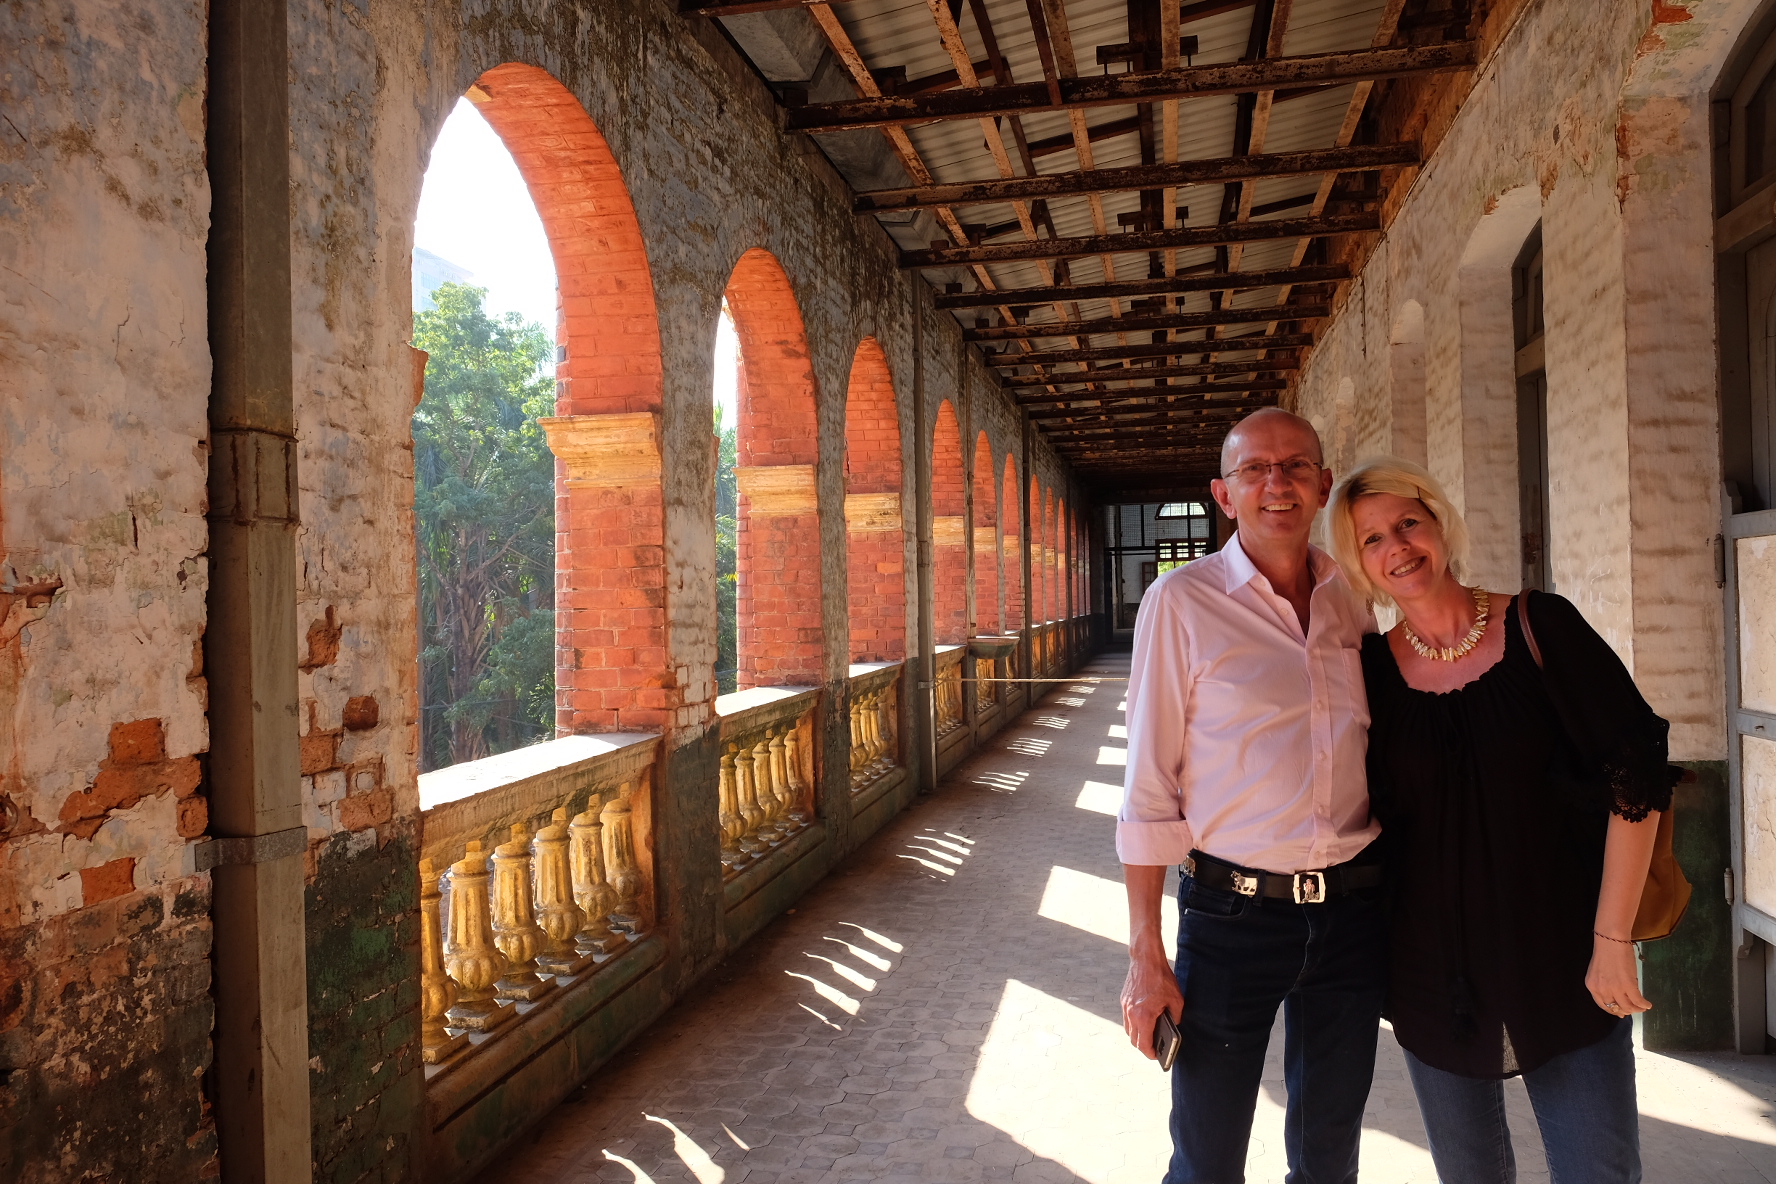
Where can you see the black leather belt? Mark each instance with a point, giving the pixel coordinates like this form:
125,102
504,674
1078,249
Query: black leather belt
1301,887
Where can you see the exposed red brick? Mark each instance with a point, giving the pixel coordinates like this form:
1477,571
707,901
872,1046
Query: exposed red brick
194,817
107,880
949,561
875,560
323,641
136,768
361,713
608,329
1014,569
986,561
363,810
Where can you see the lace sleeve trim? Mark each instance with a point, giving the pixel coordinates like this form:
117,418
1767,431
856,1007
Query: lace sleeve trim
1639,780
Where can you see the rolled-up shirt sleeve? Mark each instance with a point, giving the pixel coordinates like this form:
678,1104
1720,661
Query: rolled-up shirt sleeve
1151,828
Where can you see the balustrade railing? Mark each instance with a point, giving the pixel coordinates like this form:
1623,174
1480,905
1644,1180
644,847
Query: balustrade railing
565,892
946,689
875,716
766,788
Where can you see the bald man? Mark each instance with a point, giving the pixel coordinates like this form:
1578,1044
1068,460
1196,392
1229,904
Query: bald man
1247,734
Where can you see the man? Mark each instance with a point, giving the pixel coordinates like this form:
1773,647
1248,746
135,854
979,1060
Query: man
1247,728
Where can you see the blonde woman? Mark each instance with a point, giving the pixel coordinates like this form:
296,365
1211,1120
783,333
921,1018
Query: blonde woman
1516,778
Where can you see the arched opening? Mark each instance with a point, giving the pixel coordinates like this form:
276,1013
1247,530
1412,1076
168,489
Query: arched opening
611,670
986,539
1012,550
1062,561
875,548
1038,576
1406,382
1049,573
948,529
778,539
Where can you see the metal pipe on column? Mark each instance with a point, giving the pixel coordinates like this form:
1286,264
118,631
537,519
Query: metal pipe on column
258,840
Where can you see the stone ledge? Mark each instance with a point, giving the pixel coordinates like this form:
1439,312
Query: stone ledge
736,891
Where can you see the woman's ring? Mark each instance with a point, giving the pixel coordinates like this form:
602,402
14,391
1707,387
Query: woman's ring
1612,1007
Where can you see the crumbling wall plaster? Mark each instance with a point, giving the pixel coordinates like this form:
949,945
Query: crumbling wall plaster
104,376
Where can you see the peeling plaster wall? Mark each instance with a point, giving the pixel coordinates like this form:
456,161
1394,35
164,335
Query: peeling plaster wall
1594,120
103,456
104,379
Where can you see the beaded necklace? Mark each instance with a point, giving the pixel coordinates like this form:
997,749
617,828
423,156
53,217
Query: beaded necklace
1482,603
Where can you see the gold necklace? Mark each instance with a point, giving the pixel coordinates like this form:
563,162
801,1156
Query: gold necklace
1462,648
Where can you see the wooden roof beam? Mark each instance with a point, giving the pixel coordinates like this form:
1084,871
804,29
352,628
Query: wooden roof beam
1080,93
1203,396
1059,378
1144,240
1268,314
1159,176
1162,286
1225,345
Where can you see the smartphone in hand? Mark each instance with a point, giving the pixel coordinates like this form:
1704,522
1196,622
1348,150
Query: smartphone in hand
1166,1041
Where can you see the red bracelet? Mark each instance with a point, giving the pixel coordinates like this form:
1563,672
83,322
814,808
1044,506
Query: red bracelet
1627,941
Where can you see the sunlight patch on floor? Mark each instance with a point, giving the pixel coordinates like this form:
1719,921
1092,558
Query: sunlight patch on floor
1675,1091
695,1159
1003,781
1051,721
1030,746
1100,797
1112,756
1100,906
1065,1083
1119,732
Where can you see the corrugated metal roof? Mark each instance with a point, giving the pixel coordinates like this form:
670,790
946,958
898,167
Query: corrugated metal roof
904,35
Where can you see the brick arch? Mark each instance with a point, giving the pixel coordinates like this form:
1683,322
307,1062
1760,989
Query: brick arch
875,548
948,509
1012,549
1063,560
1048,554
1038,603
611,668
778,561
986,538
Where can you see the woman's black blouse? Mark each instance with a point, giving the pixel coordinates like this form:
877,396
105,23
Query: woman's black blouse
1494,800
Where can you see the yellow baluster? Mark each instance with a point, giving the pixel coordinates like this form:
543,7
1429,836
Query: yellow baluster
515,930
798,812
557,914
592,890
746,788
470,957
619,857
436,991
729,816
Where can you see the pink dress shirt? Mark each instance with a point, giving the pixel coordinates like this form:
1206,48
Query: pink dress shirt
1246,739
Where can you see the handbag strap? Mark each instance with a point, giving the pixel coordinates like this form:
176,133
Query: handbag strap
1535,651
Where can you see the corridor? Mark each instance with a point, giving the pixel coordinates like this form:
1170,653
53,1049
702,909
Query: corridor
944,1009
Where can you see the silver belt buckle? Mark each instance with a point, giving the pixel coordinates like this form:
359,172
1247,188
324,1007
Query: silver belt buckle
1245,885
1310,887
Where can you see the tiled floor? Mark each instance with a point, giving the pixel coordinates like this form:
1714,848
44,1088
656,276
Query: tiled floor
945,1010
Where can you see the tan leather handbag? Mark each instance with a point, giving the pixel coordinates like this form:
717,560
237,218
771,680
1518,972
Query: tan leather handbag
1667,893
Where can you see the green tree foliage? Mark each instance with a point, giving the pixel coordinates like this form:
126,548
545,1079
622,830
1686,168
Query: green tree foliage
727,579
484,505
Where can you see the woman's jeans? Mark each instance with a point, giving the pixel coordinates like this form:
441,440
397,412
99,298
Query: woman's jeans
1584,1103
1240,958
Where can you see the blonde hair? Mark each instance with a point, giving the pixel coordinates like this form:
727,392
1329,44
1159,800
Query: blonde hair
1402,478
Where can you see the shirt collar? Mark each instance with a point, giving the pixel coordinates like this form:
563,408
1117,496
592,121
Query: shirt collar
1241,570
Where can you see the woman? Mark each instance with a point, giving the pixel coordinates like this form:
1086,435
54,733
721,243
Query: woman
1518,804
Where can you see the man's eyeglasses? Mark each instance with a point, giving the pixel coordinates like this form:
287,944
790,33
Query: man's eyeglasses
1293,470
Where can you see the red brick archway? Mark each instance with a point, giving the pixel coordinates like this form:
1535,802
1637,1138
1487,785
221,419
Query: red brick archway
611,668
1038,601
778,561
986,539
1013,550
1063,561
948,527
875,547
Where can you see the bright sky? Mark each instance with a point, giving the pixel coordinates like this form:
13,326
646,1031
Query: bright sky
475,211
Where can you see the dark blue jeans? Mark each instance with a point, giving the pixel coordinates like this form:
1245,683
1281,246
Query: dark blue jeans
1584,1104
1239,959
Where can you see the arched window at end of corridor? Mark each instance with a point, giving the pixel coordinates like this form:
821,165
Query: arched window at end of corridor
778,610
875,538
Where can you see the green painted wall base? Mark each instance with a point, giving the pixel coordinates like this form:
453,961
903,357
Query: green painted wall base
1689,975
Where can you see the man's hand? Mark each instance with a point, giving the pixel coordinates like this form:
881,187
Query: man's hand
1151,987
